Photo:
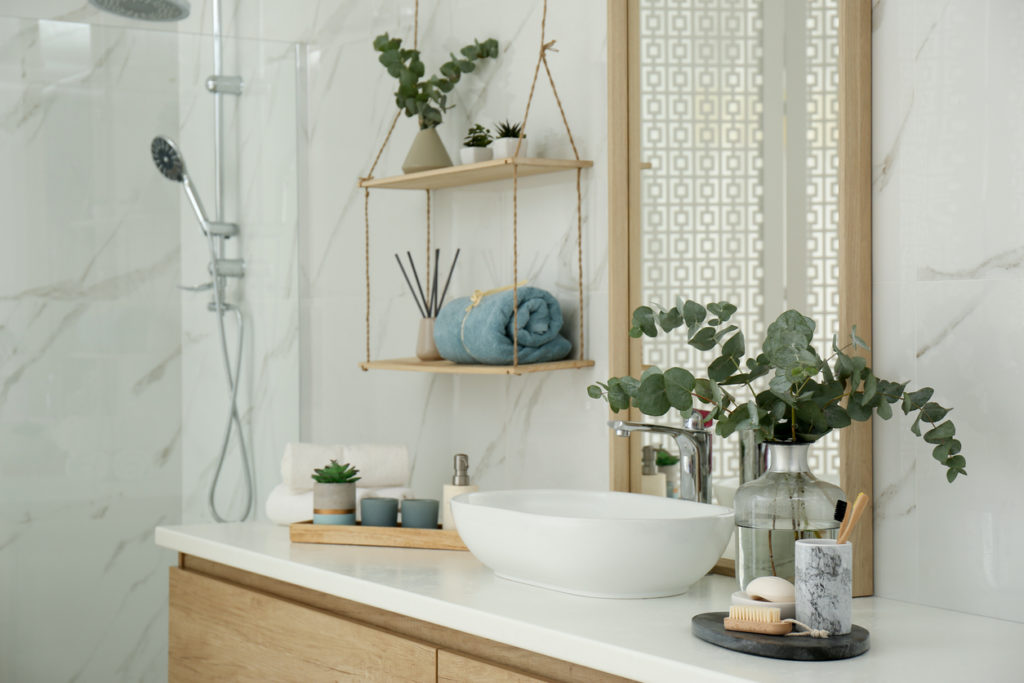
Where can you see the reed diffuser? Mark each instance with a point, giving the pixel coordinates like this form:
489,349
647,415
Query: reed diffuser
428,302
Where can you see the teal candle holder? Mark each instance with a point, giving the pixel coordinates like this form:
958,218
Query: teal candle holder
379,511
420,513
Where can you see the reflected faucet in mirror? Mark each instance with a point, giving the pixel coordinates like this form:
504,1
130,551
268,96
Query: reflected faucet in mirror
694,444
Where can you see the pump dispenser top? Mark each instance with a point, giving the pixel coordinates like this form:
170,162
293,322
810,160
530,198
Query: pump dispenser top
460,484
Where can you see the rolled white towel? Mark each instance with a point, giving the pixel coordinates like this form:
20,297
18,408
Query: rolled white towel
299,461
380,465
286,507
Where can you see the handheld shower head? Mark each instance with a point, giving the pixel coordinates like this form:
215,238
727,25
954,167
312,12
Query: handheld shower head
148,10
168,159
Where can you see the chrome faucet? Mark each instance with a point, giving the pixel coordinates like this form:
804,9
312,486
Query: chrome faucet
694,443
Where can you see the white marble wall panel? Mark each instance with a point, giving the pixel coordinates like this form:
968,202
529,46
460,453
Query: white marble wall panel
538,430
90,385
948,255
261,196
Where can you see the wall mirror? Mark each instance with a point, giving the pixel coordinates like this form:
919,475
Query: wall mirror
739,164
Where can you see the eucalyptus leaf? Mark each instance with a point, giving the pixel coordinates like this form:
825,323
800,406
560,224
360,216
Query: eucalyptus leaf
651,398
937,434
704,339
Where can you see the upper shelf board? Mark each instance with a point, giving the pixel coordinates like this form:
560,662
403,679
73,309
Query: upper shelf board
471,174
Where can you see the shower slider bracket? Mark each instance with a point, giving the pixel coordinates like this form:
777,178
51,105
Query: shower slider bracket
218,229
225,85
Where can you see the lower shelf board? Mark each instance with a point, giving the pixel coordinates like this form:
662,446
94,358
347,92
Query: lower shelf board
449,368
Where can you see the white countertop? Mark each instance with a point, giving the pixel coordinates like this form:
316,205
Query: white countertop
648,640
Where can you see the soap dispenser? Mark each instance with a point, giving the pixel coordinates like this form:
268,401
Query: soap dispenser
652,482
460,484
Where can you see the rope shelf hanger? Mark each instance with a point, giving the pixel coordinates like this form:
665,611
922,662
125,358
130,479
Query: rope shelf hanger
546,46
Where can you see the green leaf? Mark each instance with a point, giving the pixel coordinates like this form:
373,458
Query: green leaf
916,427
884,410
693,313
723,310
916,399
630,385
724,332
653,370
734,347
856,409
618,399
943,431
704,339
870,387
670,319
678,385
643,318
721,368
837,417
594,391
933,412
857,341
651,398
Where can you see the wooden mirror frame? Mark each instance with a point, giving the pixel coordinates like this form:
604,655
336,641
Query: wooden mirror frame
624,287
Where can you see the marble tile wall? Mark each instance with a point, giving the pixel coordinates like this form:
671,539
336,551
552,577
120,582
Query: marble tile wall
948,255
90,353
538,430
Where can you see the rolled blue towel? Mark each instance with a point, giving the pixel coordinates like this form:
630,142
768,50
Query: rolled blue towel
483,334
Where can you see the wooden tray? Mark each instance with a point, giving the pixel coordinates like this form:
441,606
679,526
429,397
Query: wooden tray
390,536
709,627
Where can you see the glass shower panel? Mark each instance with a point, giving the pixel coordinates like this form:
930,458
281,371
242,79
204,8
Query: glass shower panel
108,375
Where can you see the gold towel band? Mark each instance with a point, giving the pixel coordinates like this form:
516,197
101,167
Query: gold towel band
478,295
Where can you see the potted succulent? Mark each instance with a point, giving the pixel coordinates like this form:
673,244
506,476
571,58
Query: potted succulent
668,465
334,494
795,397
475,145
427,98
506,139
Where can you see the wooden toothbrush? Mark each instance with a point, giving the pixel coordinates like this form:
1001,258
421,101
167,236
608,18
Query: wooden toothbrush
852,517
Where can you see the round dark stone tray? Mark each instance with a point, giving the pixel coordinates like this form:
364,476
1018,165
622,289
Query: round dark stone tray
709,627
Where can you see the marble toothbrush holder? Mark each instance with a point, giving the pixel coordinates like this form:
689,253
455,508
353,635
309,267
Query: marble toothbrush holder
824,585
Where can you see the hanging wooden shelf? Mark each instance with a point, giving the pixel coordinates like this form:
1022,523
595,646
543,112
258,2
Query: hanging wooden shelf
471,174
449,368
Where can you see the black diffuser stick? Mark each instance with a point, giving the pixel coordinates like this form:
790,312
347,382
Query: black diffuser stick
408,282
433,290
451,270
416,277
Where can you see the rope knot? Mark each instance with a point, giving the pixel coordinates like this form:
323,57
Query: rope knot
808,631
548,47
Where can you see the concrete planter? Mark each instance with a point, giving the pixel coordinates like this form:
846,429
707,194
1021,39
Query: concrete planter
427,153
334,503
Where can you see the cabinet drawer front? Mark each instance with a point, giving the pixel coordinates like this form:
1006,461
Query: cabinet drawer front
453,668
220,632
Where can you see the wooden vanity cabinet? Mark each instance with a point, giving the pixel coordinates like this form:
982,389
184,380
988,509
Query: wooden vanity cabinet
231,625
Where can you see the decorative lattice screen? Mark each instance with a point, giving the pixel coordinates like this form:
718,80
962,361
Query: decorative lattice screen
705,233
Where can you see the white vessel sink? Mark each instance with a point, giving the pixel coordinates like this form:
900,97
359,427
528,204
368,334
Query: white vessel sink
594,543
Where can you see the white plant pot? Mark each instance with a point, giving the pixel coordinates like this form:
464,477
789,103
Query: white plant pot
471,155
506,147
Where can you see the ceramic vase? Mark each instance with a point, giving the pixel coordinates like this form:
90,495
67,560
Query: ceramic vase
472,155
505,148
427,153
334,503
782,505
426,349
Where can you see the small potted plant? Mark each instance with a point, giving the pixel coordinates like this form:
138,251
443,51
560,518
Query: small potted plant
475,145
795,398
506,138
427,98
668,465
334,494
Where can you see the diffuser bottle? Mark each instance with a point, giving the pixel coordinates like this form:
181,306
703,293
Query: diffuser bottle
784,504
460,484
652,482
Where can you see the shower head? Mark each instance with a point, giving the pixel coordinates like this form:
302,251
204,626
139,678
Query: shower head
168,159
147,10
